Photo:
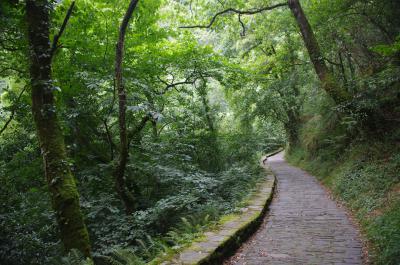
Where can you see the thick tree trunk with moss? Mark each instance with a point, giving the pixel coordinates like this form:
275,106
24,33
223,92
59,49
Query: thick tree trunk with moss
119,174
325,76
61,183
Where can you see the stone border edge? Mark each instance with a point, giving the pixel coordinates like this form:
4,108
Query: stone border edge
265,157
229,247
242,227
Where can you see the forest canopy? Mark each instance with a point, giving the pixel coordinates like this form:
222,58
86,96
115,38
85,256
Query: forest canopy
129,127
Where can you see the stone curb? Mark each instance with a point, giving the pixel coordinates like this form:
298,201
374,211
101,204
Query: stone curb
217,245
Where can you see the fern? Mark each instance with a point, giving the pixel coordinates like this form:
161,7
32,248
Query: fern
74,257
123,257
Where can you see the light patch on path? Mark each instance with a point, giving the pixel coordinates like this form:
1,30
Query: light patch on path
304,226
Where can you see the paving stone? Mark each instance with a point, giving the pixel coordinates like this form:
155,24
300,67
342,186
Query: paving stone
248,216
233,224
255,207
207,246
218,238
304,226
227,232
192,257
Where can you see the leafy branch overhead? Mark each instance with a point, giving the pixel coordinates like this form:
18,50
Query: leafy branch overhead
235,11
57,37
128,128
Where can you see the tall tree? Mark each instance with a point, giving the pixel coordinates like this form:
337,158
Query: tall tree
324,74
119,174
329,84
61,183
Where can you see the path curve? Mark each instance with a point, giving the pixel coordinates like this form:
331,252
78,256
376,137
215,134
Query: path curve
304,226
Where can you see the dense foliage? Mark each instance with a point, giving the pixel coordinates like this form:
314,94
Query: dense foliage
203,102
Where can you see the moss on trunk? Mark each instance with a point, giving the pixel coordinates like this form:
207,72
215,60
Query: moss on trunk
61,183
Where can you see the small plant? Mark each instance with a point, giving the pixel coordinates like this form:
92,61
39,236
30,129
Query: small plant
74,257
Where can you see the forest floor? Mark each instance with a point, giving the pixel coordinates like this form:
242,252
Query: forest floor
304,225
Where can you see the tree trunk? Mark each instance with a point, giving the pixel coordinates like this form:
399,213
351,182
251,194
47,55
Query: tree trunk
292,129
207,110
325,76
61,183
154,130
292,125
119,174
207,113
343,70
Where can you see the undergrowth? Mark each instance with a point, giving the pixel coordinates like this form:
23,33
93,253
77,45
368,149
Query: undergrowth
156,248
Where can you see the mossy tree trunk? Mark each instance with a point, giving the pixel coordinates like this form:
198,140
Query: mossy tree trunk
329,84
119,173
61,183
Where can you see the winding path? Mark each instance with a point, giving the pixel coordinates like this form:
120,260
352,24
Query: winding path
304,226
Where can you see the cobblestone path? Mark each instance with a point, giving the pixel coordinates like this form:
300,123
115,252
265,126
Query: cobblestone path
304,226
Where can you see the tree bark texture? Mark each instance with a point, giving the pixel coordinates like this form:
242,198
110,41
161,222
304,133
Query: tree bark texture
325,76
61,183
119,174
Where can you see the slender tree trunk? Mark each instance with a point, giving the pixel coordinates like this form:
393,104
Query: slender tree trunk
292,131
153,120
343,70
207,111
154,130
61,183
109,139
326,77
292,126
119,174
352,84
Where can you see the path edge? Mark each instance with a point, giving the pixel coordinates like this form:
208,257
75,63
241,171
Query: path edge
243,233
223,243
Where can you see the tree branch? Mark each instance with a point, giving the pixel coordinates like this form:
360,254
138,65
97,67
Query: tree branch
173,85
236,11
109,139
168,86
138,128
14,109
251,48
54,46
331,62
243,33
119,174
163,127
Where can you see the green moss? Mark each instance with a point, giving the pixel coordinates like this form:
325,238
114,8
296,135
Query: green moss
227,218
62,186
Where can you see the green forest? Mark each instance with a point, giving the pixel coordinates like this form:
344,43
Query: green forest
128,128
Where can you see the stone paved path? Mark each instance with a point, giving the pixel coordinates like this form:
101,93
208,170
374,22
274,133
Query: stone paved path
304,225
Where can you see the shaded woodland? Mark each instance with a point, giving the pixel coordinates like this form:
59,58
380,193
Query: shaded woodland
127,128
